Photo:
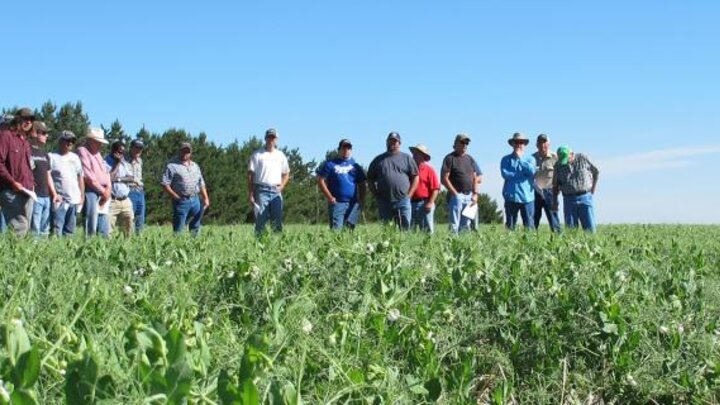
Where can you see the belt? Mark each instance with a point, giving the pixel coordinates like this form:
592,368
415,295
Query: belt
419,199
137,188
119,198
578,194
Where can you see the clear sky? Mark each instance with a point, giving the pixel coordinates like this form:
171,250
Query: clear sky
633,84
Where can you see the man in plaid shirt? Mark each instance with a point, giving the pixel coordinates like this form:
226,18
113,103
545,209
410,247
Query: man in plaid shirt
576,177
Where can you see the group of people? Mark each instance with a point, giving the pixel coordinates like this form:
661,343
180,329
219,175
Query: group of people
40,190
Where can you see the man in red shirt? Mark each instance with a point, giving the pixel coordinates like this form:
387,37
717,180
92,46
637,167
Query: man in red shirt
422,202
16,178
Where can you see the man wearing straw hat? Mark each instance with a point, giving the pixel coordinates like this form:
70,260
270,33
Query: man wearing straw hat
423,200
576,177
98,185
342,182
518,171
459,176
16,177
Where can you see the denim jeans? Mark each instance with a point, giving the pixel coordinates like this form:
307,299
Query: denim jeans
420,218
579,209
339,214
544,202
95,223
270,203
188,212
3,224
397,211
456,205
64,219
138,203
40,224
17,209
526,211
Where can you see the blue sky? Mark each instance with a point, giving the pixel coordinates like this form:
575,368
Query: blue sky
632,84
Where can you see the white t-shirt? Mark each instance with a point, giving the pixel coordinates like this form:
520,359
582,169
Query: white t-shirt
65,170
268,167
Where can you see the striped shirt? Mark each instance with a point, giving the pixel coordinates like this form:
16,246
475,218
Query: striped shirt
136,170
185,180
575,177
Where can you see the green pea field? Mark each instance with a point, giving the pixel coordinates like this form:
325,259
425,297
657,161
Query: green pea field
628,315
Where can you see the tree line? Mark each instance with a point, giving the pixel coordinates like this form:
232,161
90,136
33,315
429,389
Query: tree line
225,172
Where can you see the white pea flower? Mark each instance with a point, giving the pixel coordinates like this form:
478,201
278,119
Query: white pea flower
630,380
386,244
17,322
664,330
168,262
307,327
230,274
128,290
393,315
681,329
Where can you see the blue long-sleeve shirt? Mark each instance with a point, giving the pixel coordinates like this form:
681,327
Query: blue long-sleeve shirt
519,174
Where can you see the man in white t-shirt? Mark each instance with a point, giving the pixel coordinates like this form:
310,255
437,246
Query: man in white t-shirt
67,175
268,173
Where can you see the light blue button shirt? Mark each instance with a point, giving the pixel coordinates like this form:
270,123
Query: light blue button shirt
519,175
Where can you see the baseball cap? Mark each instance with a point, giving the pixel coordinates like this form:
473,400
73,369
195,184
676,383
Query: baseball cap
25,113
67,136
137,143
40,126
542,138
345,142
271,132
563,154
462,138
394,135
186,145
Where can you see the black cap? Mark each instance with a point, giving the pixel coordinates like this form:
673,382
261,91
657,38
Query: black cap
137,143
271,132
345,142
542,138
67,136
394,135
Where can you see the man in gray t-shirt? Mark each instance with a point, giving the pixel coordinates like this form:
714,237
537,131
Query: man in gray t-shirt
392,178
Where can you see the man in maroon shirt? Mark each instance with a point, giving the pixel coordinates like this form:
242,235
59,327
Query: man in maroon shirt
423,199
16,178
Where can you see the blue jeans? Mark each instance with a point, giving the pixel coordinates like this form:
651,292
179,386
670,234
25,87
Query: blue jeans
456,205
138,203
397,211
270,202
420,218
544,202
17,210
40,223
188,212
526,210
579,209
95,223
339,214
3,224
64,219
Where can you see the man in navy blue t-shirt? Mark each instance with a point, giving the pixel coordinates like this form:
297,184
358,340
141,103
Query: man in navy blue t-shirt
342,181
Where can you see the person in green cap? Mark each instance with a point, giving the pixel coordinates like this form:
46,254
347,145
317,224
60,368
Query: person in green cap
576,177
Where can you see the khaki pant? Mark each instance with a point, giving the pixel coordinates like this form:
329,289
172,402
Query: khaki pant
122,211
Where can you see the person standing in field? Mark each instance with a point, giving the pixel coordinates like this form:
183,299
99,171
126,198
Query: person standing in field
16,177
98,185
44,188
545,160
67,175
392,179
422,200
5,121
342,182
576,177
137,188
268,174
183,182
518,171
121,208
459,176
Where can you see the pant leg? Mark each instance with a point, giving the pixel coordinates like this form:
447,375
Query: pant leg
416,214
586,212
195,215
45,218
138,205
39,215
17,209
551,215
454,213
429,219
91,213
569,209
403,213
466,200
59,218
126,217
338,214
180,215
70,220
511,214
3,224
527,211
262,200
538,205
276,211
384,210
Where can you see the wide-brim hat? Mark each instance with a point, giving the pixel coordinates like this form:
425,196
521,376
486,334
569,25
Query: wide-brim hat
421,149
96,134
518,136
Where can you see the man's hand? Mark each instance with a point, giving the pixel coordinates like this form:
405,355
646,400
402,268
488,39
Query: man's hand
331,200
17,187
474,198
206,204
428,206
251,198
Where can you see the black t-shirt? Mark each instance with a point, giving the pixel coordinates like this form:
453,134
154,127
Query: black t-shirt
461,169
40,172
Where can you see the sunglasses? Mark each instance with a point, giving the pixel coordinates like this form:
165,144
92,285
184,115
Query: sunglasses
42,133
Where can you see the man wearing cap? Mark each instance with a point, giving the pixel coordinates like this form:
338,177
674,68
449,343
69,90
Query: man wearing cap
342,182
545,160
121,208
137,188
459,176
576,177
67,175
98,185
268,174
183,182
423,199
44,188
16,177
392,179
518,171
